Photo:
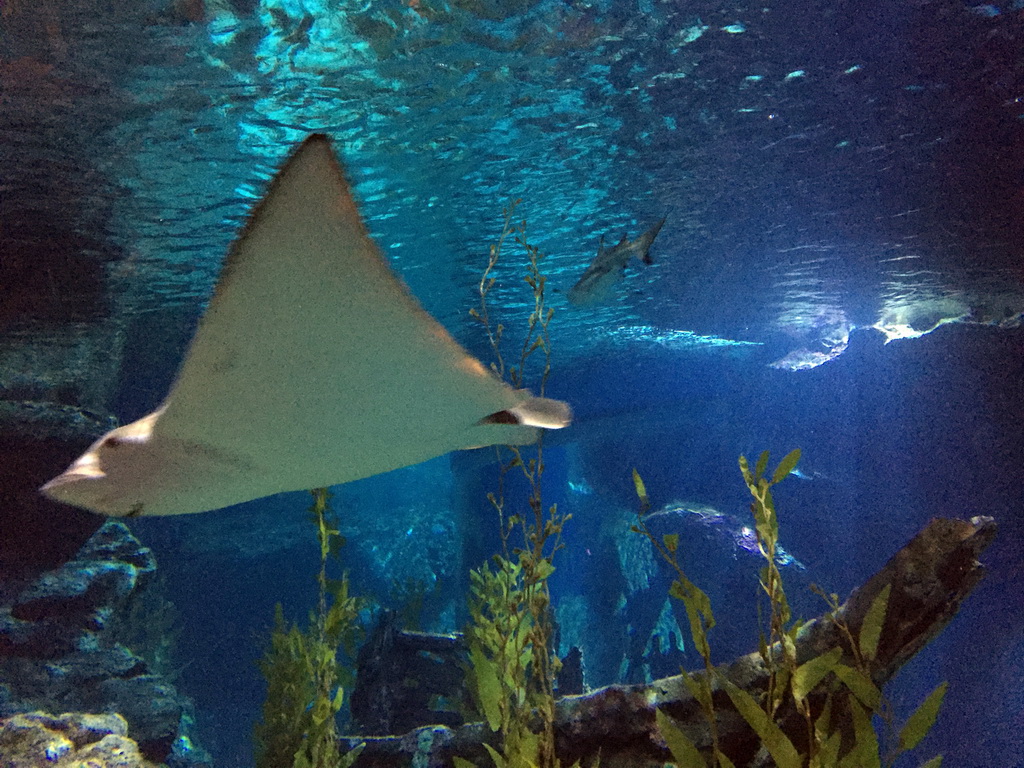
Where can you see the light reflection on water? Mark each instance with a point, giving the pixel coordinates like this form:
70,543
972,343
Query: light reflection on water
600,120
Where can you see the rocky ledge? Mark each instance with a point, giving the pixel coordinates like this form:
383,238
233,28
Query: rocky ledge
35,740
61,651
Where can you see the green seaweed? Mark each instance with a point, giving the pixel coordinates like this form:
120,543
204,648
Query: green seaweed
701,620
507,650
512,666
840,733
305,680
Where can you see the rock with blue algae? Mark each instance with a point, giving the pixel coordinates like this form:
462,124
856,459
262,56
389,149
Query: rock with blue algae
60,611
64,647
35,740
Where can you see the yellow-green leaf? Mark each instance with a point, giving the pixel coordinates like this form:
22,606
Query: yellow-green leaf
871,629
824,721
321,710
810,673
496,756
544,569
860,685
919,723
461,762
745,469
350,757
775,741
787,465
828,752
488,687
641,490
678,590
788,644
762,464
684,753
782,677
671,541
935,762
864,753
529,750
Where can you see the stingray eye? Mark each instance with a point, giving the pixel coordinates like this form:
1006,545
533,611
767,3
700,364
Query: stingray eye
115,441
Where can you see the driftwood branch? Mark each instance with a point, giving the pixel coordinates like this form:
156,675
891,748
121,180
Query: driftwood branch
930,577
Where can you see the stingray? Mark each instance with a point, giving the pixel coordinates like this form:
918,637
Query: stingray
313,365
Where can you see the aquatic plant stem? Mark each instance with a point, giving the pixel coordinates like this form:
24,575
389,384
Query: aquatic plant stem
304,675
525,599
698,612
326,674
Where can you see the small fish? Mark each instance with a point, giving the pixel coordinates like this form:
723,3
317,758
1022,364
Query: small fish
810,475
608,268
581,488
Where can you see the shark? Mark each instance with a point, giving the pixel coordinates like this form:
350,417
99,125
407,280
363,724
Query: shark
312,365
596,283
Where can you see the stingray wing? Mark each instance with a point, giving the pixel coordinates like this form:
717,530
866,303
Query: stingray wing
313,365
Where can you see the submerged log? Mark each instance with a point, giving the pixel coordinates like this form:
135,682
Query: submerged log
929,578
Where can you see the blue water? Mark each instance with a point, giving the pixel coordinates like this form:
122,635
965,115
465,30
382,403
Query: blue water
895,434
834,175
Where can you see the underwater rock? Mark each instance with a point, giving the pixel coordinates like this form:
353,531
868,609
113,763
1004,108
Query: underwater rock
407,680
930,578
570,676
55,384
150,704
37,439
400,676
60,649
70,740
61,611
76,593
115,543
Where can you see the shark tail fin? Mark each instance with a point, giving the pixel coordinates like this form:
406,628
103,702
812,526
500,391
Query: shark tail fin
646,239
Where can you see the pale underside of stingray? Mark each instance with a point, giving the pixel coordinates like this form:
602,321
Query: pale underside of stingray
312,366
